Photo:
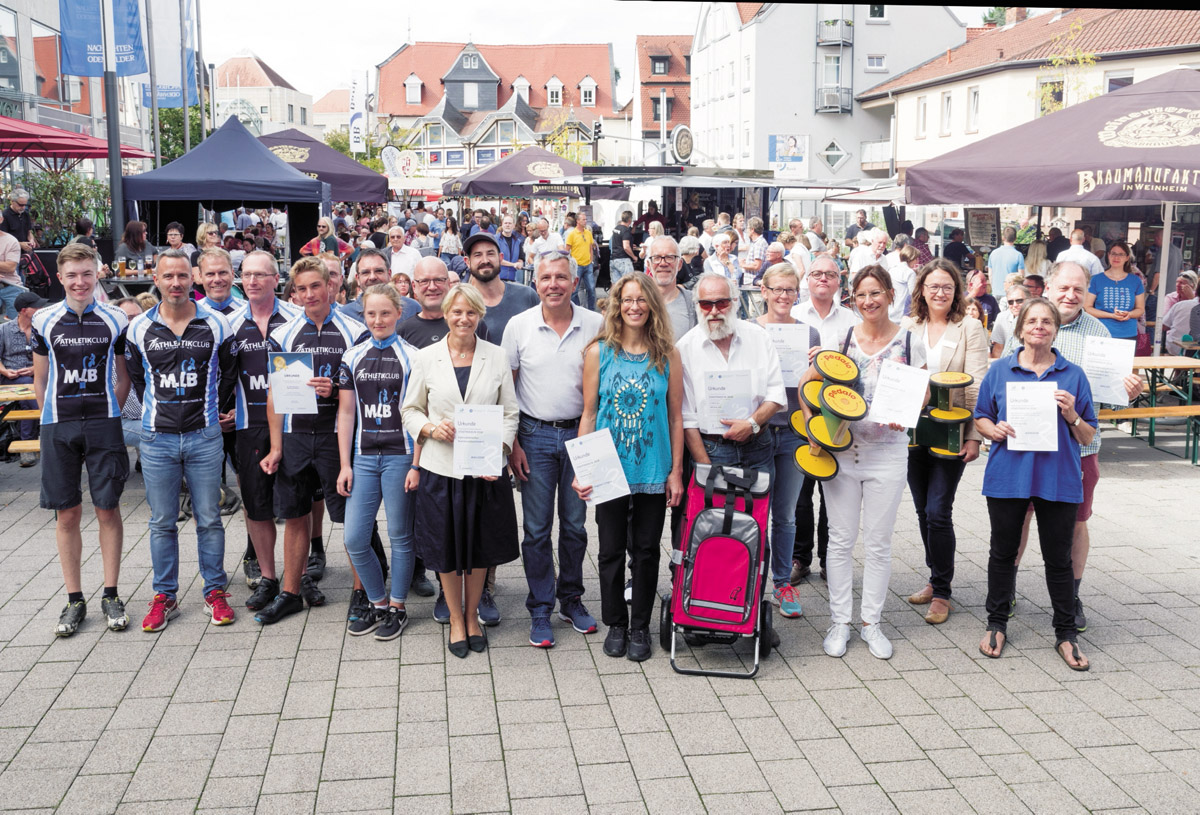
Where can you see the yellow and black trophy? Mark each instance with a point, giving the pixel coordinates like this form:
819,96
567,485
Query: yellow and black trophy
942,426
835,404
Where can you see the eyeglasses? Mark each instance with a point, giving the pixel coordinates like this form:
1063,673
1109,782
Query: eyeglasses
719,304
432,281
630,302
784,292
1016,302
824,275
664,258
863,296
947,289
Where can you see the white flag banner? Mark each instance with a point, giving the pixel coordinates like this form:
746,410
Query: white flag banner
358,111
165,41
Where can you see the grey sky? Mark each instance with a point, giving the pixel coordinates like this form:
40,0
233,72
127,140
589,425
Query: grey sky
316,45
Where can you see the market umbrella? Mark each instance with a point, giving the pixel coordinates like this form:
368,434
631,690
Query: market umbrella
532,171
348,179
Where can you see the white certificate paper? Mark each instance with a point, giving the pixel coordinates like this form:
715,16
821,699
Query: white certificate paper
899,394
791,342
726,396
1107,361
290,391
596,464
1033,413
478,440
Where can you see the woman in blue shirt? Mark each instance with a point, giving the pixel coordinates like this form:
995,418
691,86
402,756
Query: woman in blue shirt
633,385
1051,480
1117,298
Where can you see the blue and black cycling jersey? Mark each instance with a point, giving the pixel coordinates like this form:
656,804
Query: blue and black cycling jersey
328,343
82,349
226,307
183,381
251,348
377,372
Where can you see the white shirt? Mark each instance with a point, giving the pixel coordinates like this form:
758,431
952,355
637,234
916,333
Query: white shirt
706,242
751,349
552,241
1077,254
833,327
815,242
1002,329
904,281
860,257
549,367
405,260
1176,323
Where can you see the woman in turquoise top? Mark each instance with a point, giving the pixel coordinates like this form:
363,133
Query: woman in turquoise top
633,386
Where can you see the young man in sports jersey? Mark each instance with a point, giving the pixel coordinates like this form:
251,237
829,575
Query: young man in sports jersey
182,364
252,324
80,381
304,448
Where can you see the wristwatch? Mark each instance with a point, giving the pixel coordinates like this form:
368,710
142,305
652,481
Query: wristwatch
754,426
1078,419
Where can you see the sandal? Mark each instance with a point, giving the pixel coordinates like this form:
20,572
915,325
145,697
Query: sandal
992,645
1080,664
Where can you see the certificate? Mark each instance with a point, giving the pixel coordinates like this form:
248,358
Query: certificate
478,440
1033,414
900,394
596,464
791,342
1107,361
290,391
727,395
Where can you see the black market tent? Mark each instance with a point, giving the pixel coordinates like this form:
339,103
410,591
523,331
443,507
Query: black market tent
348,180
229,169
532,172
1135,146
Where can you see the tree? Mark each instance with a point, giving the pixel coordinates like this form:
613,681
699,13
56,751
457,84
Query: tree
564,140
340,140
995,16
61,198
1070,64
170,129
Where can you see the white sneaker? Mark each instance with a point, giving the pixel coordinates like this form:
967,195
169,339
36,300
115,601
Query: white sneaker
880,646
836,639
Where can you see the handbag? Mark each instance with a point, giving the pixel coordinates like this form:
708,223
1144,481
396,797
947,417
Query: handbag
1145,345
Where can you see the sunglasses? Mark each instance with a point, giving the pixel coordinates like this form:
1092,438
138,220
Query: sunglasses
720,304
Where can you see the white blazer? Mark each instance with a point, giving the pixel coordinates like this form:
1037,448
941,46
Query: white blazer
433,394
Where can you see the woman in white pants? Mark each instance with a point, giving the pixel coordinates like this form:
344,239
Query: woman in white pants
871,473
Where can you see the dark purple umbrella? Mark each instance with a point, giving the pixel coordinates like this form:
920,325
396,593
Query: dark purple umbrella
349,180
1137,145
517,176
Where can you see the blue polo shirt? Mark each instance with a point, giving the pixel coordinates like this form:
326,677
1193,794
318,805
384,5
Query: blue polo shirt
1023,474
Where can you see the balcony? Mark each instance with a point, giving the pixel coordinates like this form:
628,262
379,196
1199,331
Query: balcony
64,119
835,32
876,156
833,99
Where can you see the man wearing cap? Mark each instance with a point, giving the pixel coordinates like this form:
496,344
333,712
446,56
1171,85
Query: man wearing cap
401,257
16,360
1178,319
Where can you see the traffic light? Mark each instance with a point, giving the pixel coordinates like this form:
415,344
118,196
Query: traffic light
597,132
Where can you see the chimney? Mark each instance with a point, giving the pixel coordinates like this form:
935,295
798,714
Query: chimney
1015,15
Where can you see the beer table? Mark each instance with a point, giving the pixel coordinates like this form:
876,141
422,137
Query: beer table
1158,375
128,286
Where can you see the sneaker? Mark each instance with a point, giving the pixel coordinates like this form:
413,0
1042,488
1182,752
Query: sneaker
616,642
422,586
487,612
28,459
639,645
218,607
441,611
285,604
789,603
316,566
392,625
113,609
798,573
359,605
629,590
573,611
162,609
268,590
70,619
367,621
879,645
252,572
540,634
836,639
1080,618
309,591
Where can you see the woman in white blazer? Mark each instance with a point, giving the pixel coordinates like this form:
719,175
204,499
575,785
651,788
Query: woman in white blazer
463,524
952,342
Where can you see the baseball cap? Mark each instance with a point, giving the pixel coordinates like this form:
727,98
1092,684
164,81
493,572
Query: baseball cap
28,299
1191,277
476,238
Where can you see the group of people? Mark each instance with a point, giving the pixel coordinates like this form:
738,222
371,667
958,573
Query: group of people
390,371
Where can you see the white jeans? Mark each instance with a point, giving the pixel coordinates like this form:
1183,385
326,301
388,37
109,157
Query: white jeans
870,477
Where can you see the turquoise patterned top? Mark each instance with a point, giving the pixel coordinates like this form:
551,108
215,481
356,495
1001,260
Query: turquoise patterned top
633,406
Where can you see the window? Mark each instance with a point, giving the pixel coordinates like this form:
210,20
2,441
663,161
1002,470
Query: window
45,42
1049,96
485,156
470,95
832,76
521,88
730,144
10,74
746,73
687,64
878,13
412,90
833,155
745,138
1115,81
876,62
470,61
658,65
455,158
505,132
433,135
922,112
263,109
973,109
303,116
291,113
729,79
587,92
944,128
554,94
654,104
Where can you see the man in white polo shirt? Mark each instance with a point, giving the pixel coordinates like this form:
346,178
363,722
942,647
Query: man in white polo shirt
545,351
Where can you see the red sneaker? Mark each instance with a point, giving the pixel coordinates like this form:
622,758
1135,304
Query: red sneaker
162,609
222,614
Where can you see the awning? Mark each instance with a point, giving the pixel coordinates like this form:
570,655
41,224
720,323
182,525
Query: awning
893,194
37,142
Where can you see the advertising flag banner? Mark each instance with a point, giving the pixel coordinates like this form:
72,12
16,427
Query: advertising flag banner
166,45
83,41
358,112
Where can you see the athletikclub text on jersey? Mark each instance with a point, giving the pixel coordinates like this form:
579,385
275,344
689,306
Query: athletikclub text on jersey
81,351
377,372
252,348
327,342
183,381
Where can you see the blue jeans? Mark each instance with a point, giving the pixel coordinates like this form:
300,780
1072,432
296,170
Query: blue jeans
380,478
785,493
933,483
8,294
758,452
618,268
549,470
167,460
585,294
27,428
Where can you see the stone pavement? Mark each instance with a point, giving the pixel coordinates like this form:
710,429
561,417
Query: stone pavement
301,718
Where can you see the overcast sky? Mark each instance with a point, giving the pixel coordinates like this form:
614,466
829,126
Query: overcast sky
316,45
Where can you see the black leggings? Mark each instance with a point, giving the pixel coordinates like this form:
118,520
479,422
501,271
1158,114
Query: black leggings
633,525
1056,530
